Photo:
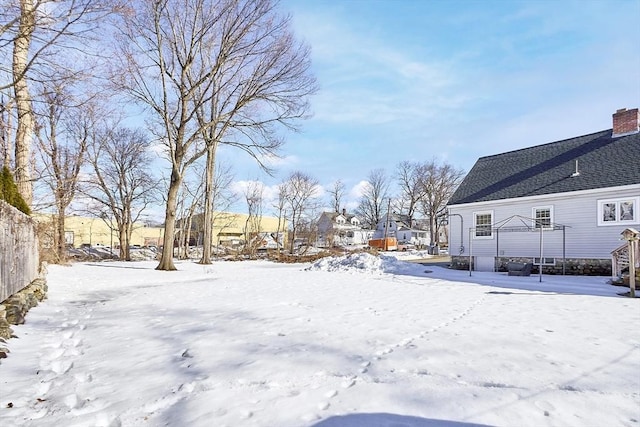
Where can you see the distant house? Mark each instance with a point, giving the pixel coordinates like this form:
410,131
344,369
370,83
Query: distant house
401,227
561,204
341,229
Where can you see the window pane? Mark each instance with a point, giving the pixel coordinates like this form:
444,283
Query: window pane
626,211
483,225
543,218
608,212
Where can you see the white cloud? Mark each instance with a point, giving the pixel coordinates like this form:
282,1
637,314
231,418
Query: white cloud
269,192
359,189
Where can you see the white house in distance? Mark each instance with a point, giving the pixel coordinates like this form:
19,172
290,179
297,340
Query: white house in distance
401,228
341,229
563,204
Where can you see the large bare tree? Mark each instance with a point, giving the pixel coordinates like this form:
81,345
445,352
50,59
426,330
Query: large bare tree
371,205
120,181
438,182
213,72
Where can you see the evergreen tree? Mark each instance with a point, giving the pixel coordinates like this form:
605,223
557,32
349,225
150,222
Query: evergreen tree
9,191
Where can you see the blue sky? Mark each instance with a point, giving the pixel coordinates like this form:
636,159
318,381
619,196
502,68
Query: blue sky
453,80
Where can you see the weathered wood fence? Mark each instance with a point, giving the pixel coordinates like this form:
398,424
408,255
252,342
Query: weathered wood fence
19,260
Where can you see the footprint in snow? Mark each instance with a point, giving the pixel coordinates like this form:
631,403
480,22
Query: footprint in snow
73,401
56,354
348,383
61,366
331,394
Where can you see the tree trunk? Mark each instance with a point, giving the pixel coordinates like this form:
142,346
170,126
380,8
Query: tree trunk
208,205
166,259
124,245
433,231
24,133
186,230
128,230
61,246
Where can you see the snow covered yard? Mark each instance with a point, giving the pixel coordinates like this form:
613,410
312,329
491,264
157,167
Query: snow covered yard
352,341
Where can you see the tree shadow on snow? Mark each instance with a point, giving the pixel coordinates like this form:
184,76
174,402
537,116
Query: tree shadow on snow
389,420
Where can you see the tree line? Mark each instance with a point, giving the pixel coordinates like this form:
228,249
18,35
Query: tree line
207,73
421,191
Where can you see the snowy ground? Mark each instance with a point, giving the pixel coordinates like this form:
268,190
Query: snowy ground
352,341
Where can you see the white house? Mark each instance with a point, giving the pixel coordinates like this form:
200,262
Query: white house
400,227
341,229
562,204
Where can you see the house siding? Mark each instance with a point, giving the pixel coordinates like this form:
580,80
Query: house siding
578,211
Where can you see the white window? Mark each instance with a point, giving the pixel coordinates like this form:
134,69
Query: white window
618,211
542,217
68,238
482,222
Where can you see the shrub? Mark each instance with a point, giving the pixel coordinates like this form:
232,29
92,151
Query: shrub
9,192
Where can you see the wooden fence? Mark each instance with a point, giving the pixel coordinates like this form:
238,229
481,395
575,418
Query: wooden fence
19,260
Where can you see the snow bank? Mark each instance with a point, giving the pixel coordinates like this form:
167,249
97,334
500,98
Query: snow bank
365,263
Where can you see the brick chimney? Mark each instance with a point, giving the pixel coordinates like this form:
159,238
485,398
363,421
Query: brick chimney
626,122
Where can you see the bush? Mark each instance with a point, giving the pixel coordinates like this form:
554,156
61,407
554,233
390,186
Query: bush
9,192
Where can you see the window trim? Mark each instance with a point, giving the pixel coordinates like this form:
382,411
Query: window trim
617,202
475,225
534,217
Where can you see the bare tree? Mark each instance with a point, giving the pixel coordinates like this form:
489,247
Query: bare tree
280,206
438,182
254,197
63,134
121,182
216,72
300,193
409,176
371,206
40,34
336,193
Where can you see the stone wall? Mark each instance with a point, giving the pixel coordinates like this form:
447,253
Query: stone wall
573,266
14,308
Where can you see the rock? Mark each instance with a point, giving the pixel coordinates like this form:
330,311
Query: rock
14,315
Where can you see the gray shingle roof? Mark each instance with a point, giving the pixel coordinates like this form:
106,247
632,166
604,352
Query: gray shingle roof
603,162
